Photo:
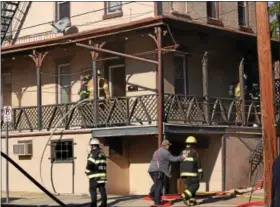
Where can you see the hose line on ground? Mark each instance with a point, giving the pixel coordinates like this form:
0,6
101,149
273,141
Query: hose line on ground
254,183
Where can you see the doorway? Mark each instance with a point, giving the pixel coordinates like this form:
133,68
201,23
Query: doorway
117,82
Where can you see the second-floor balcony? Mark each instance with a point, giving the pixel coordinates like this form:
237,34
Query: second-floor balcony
138,110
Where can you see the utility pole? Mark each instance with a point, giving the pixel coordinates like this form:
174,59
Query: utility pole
266,89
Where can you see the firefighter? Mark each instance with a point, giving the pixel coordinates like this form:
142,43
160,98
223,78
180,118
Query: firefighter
84,92
190,171
96,171
102,86
275,197
238,101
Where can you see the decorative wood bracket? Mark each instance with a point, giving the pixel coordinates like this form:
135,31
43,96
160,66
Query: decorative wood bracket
94,54
38,58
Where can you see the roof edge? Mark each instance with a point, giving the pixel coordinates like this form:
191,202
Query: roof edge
79,36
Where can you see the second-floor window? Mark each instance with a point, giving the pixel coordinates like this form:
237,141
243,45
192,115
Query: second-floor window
113,7
242,12
62,9
64,84
211,9
181,82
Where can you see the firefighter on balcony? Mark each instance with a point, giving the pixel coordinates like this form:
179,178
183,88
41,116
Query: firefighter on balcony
103,86
190,171
238,101
84,92
96,171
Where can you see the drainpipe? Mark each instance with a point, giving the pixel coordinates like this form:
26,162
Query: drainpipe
224,142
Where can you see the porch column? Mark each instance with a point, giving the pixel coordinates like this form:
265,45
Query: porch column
242,87
205,86
38,58
94,56
160,86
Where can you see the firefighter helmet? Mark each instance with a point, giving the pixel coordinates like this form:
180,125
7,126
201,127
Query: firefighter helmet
191,140
86,78
94,141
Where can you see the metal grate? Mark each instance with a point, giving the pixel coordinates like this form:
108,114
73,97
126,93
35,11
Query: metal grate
18,149
277,91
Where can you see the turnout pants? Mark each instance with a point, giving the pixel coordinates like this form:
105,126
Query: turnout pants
93,185
192,185
157,187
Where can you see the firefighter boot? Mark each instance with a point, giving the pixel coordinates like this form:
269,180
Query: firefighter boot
193,202
185,197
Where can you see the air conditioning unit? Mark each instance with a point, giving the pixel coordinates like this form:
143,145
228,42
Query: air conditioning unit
23,149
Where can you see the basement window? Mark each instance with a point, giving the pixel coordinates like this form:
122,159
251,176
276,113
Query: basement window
62,9
242,12
211,9
112,9
62,150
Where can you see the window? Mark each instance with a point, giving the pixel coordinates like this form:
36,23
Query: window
181,83
242,8
62,150
64,84
211,9
62,9
112,9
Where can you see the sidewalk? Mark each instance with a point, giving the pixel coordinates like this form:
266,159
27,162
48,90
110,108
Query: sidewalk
34,200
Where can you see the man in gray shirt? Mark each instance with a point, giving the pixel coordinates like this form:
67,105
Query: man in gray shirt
160,166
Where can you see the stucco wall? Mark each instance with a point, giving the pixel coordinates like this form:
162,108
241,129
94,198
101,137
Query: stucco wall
237,162
41,14
62,172
140,155
222,66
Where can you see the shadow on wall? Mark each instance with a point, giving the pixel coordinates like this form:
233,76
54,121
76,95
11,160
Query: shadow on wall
23,68
237,162
208,151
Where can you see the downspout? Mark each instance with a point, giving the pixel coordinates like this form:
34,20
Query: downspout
224,142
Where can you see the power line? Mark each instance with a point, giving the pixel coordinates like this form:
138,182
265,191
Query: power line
40,35
77,15
68,74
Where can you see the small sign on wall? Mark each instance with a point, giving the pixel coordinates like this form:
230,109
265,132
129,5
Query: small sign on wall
7,114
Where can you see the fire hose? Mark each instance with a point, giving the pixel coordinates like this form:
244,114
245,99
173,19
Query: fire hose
52,133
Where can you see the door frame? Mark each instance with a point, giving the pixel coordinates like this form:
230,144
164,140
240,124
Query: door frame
110,77
59,66
185,71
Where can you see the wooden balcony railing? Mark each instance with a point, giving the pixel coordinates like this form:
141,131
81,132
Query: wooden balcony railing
142,110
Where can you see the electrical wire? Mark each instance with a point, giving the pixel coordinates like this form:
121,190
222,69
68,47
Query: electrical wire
40,35
67,74
73,16
140,3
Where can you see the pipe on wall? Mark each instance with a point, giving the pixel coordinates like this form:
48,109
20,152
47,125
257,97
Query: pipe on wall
224,145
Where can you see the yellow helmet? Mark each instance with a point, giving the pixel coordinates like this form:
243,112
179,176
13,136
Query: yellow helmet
191,140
